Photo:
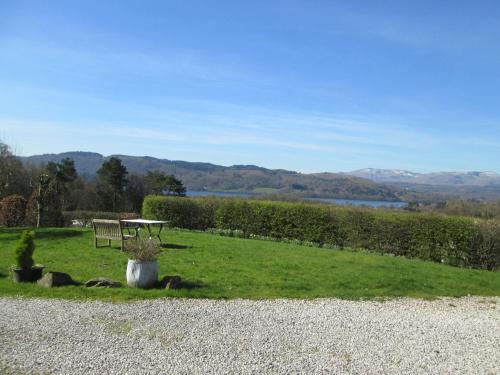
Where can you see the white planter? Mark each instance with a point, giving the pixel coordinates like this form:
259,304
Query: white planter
142,274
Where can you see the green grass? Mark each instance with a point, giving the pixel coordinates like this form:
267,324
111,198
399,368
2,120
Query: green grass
223,267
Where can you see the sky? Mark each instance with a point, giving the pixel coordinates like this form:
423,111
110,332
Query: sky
310,86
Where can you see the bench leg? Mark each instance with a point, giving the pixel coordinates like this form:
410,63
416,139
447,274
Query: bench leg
109,243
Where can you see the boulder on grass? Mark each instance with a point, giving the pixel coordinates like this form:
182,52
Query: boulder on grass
171,282
55,279
101,282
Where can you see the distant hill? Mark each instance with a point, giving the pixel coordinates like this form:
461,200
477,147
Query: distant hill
437,178
370,183
243,178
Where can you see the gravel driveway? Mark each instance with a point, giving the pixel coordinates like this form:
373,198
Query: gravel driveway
183,336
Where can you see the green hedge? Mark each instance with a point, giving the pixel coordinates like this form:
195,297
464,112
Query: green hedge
458,241
181,212
278,220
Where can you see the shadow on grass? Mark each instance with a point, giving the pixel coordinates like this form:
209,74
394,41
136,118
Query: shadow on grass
13,229
179,284
190,285
174,246
11,234
65,233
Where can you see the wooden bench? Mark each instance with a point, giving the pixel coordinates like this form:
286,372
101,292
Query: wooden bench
111,230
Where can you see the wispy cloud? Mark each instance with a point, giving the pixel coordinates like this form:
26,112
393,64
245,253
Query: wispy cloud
240,134
228,124
173,62
476,141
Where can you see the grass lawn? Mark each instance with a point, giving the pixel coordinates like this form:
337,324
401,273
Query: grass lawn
223,267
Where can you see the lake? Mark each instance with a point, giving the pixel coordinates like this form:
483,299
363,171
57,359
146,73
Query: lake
345,202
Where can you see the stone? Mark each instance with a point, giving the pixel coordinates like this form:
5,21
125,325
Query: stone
55,279
171,282
101,282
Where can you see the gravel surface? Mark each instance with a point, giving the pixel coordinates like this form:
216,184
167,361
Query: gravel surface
184,336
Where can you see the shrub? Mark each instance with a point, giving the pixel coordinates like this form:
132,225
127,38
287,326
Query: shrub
425,236
143,250
487,248
454,240
278,220
13,211
181,212
24,250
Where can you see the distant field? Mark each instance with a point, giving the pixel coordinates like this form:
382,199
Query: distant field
264,190
224,267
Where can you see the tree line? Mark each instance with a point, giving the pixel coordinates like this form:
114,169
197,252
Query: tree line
43,192
460,207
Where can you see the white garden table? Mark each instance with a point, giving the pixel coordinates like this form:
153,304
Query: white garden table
147,224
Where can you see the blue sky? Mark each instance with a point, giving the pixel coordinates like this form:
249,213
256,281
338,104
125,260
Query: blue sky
303,85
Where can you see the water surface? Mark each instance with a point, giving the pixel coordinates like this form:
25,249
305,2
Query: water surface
344,202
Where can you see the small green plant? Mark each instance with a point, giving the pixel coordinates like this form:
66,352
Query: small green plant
143,250
24,250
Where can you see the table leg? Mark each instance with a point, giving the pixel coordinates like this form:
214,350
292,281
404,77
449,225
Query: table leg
159,232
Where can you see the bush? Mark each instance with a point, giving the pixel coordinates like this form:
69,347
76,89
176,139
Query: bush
454,240
143,250
278,220
181,212
487,248
24,250
425,236
13,211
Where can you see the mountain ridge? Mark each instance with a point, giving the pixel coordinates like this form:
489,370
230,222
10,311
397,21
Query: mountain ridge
366,184
469,178
243,178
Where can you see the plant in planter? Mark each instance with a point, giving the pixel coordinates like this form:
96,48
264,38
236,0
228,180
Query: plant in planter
142,267
25,269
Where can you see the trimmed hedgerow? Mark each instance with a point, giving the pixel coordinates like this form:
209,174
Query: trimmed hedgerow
459,241
278,220
486,251
181,212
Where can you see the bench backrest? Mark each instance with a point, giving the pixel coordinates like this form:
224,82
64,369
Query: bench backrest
110,229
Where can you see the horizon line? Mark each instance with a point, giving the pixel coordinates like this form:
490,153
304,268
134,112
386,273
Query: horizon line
258,166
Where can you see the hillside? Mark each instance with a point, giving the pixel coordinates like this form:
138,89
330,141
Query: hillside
243,178
473,178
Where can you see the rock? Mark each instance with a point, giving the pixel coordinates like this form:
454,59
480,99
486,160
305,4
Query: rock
101,282
171,282
55,279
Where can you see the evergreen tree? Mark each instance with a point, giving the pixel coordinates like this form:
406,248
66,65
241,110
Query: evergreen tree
135,192
111,183
62,175
159,183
